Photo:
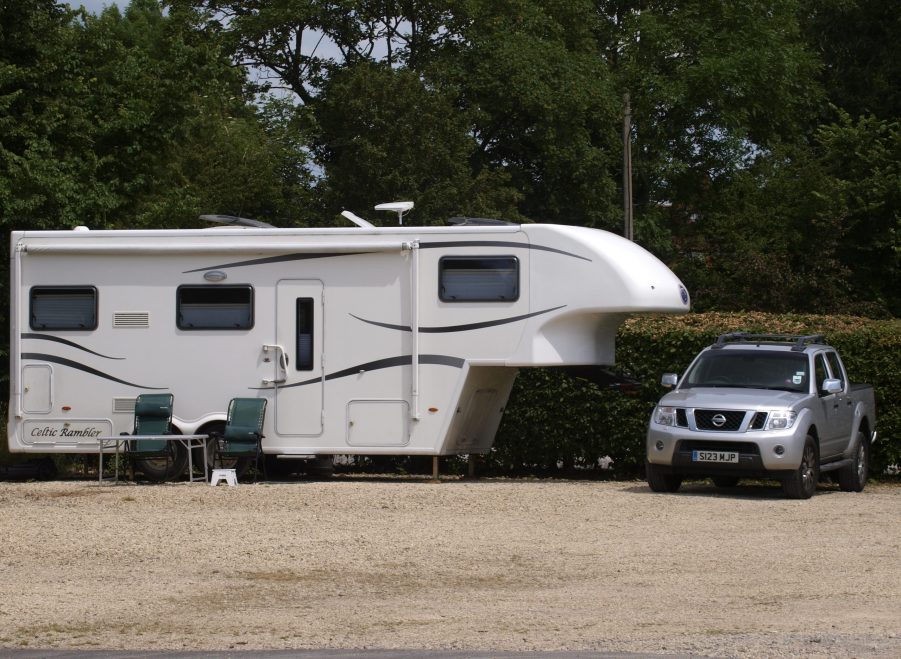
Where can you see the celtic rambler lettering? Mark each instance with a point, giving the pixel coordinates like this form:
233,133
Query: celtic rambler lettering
84,432
49,431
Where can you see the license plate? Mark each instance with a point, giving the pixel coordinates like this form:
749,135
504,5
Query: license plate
714,456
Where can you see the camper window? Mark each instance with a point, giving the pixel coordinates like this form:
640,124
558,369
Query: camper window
304,360
478,278
63,308
214,307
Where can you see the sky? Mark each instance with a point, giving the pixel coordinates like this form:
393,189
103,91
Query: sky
96,6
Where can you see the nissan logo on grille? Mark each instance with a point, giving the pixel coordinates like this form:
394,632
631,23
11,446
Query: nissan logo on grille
718,420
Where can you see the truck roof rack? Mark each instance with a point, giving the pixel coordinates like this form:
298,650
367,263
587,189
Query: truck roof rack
799,342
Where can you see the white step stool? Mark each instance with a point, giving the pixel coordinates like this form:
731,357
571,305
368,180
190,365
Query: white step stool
227,475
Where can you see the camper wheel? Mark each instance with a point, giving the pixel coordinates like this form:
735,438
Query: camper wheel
240,465
159,469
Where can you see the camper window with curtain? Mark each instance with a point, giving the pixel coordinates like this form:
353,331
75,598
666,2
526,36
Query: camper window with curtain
214,307
63,308
478,279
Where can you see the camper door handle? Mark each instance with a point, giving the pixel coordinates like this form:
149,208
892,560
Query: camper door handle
282,364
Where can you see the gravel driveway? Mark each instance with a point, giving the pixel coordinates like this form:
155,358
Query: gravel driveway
469,565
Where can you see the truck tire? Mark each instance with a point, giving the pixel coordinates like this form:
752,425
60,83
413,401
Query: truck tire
853,478
660,481
803,481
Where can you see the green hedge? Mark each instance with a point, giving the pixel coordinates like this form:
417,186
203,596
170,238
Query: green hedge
556,424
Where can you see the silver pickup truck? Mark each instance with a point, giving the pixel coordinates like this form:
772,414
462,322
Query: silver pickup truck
762,406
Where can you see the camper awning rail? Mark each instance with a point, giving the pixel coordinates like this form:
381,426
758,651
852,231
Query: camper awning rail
209,248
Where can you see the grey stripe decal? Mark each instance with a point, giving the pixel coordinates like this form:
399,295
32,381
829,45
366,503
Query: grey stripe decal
389,362
48,337
459,328
499,243
422,245
38,356
272,259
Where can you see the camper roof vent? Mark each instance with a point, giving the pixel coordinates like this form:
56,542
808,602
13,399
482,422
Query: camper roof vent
478,222
80,227
236,221
131,319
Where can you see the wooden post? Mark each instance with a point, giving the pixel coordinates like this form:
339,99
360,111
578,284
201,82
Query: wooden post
471,471
435,468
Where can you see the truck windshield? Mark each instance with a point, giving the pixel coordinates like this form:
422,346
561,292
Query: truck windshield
752,369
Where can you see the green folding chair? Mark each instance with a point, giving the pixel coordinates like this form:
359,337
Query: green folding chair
153,416
243,434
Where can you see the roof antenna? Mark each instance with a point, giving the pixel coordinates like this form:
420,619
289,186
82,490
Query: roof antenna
399,207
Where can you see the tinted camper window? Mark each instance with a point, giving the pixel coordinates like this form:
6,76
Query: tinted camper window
304,359
478,279
63,308
214,307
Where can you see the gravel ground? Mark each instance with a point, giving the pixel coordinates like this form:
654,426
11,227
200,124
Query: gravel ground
362,562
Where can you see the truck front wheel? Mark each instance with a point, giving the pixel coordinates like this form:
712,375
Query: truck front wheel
853,478
802,483
661,481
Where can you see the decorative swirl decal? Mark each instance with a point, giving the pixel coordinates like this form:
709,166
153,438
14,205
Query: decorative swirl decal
458,328
41,357
48,337
389,362
422,245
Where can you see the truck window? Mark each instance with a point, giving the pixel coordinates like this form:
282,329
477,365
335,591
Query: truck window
478,279
821,373
214,307
63,308
835,367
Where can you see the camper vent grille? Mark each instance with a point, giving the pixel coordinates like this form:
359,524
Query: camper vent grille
124,405
131,319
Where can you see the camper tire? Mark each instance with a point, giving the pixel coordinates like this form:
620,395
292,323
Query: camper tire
322,467
240,465
160,470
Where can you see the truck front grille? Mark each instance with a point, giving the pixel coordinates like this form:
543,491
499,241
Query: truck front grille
721,420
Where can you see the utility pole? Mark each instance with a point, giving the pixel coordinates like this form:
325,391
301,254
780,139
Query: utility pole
627,169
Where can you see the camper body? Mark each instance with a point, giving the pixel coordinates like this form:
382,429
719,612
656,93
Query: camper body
365,340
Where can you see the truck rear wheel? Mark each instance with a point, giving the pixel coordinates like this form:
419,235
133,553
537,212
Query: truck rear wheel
853,478
661,481
803,481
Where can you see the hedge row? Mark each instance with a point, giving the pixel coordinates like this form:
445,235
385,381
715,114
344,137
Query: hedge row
555,423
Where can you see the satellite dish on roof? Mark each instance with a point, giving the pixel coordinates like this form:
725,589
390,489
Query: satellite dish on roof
399,207
234,220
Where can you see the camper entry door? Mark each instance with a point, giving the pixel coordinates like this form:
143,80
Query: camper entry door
299,322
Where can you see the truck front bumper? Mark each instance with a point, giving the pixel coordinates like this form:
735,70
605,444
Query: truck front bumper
760,453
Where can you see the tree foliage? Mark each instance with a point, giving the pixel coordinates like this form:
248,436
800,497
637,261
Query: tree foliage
765,136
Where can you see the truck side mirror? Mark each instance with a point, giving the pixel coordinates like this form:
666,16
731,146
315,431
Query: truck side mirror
831,386
669,380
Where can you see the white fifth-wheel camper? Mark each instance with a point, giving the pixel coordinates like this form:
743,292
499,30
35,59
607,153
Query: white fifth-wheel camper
364,340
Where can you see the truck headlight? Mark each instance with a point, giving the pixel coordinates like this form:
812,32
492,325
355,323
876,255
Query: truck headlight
665,416
780,420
